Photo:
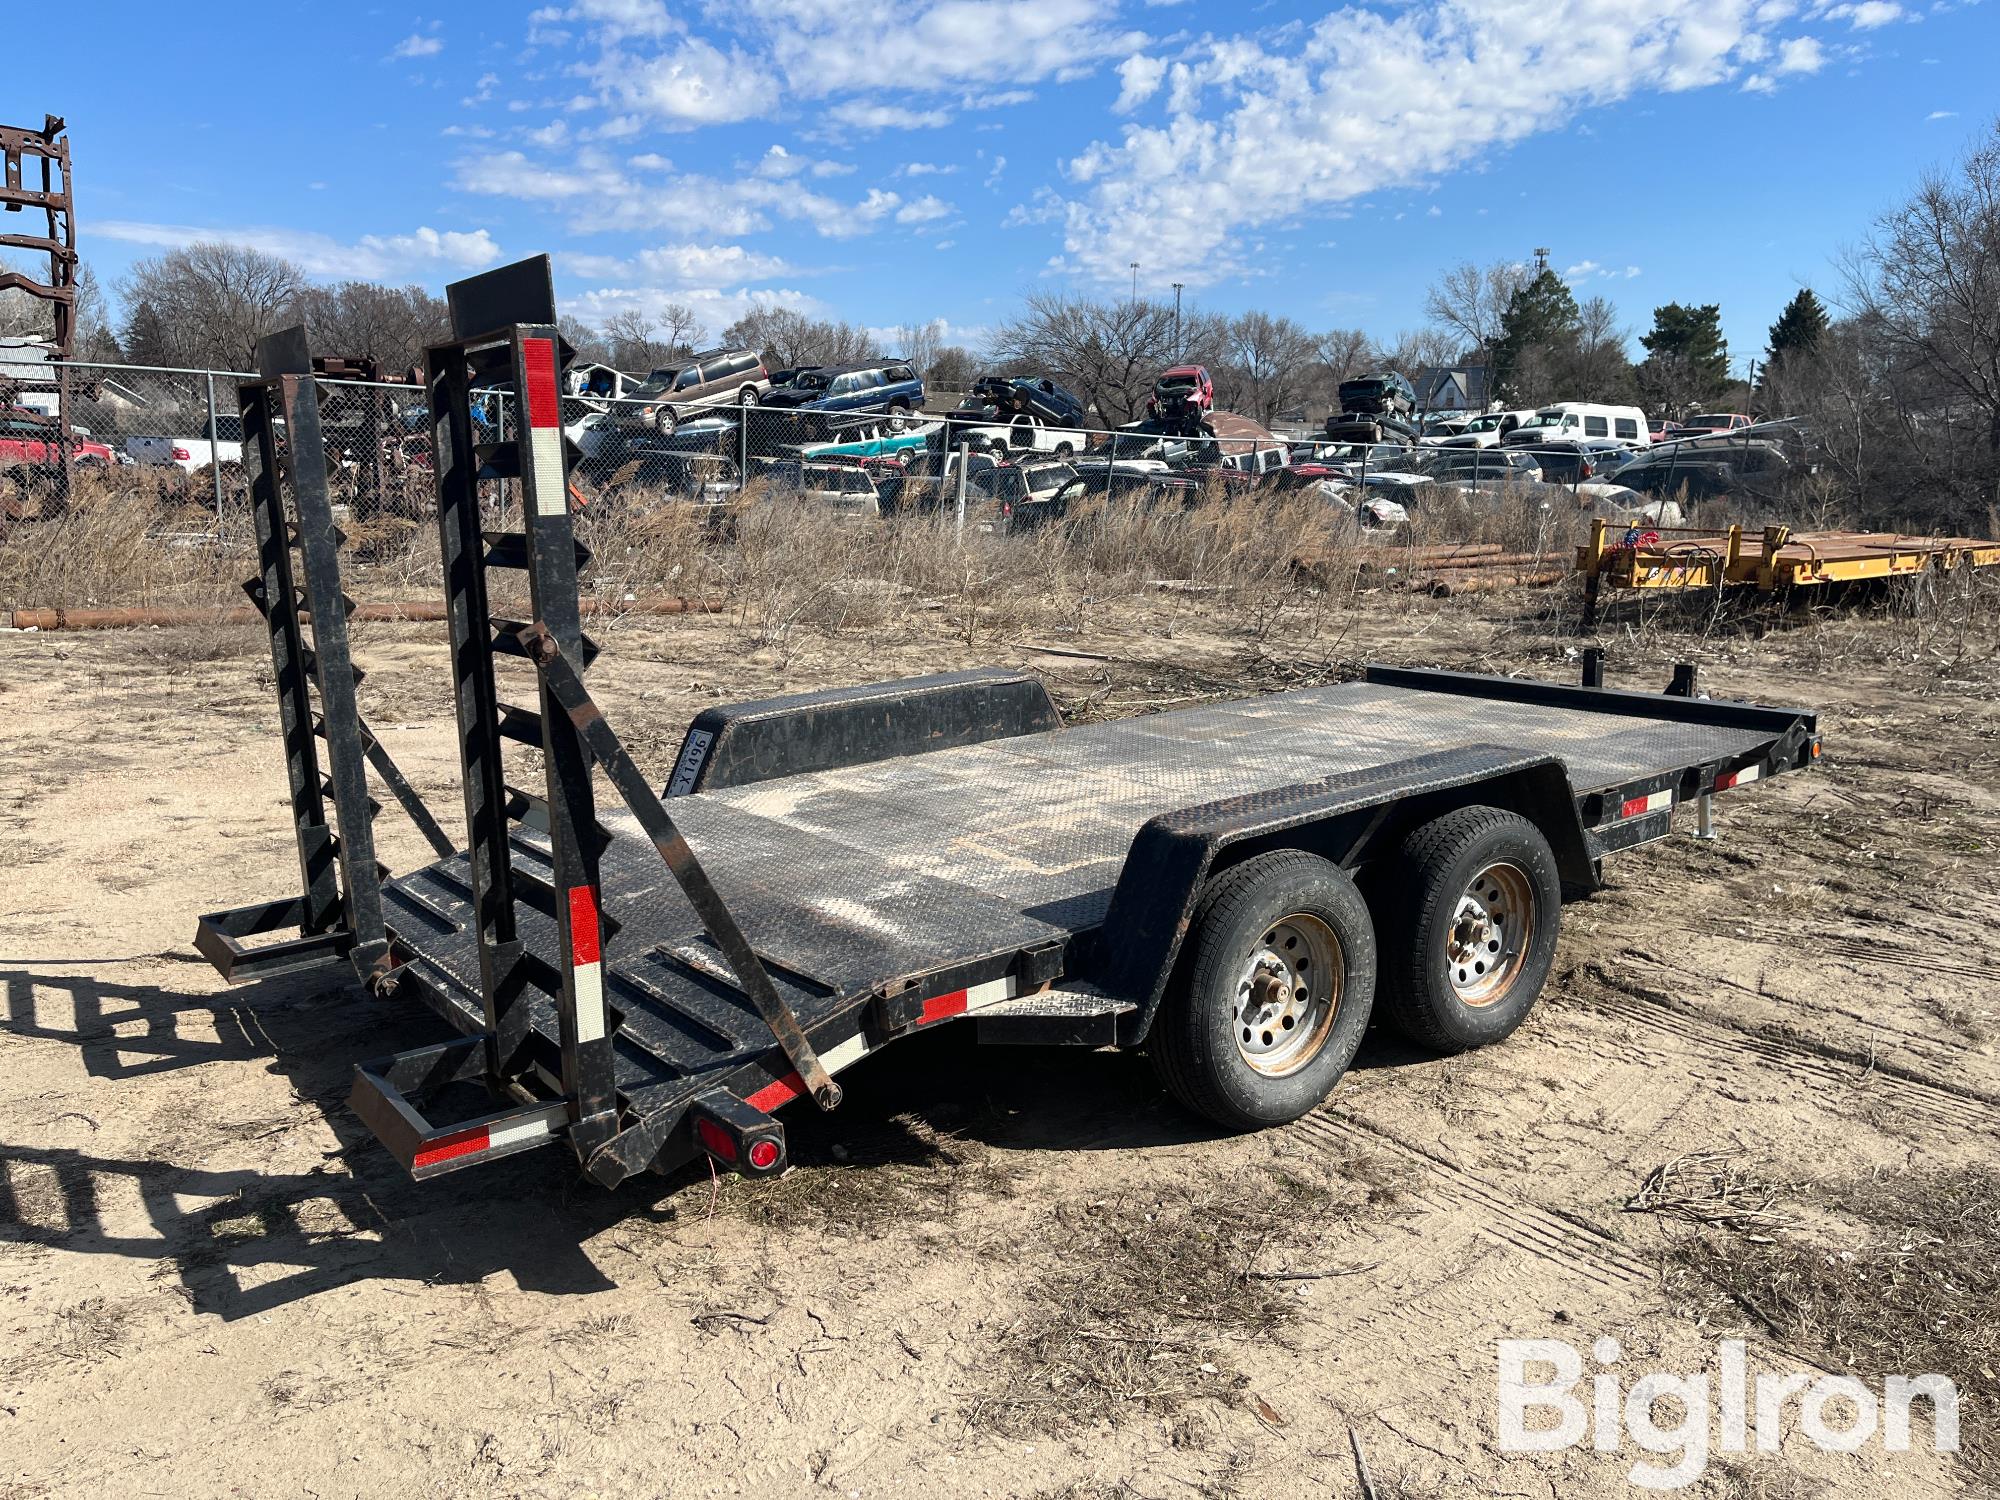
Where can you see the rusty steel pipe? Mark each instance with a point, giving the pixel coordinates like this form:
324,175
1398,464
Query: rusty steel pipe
406,609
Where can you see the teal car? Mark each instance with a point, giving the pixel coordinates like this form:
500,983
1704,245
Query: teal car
874,440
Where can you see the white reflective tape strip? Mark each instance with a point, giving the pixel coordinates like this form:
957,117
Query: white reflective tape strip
1747,775
843,1054
990,993
522,1130
1655,801
545,453
588,982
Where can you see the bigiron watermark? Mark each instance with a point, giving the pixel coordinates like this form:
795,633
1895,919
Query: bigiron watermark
1547,1405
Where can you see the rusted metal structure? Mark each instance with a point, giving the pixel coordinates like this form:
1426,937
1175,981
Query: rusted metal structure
23,150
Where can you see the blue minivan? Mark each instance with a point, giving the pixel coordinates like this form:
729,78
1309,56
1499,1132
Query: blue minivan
880,385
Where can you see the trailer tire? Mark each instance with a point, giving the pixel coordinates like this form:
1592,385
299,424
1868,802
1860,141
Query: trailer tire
1259,929
1477,902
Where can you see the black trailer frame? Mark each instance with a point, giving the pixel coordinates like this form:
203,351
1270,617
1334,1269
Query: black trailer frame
887,858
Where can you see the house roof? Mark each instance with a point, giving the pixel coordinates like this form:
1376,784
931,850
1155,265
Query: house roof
1451,386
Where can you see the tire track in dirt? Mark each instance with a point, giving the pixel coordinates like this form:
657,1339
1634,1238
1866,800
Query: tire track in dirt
1726,1044
1567,1241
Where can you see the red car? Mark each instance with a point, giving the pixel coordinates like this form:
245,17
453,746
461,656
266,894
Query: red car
1708,422
1183,388
27,438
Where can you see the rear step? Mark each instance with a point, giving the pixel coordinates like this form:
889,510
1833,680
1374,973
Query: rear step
1077,1016
382,1098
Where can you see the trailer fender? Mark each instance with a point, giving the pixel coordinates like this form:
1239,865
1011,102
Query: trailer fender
1343,817
740,743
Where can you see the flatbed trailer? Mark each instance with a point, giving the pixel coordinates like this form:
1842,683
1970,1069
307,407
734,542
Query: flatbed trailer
1775,559
1229,887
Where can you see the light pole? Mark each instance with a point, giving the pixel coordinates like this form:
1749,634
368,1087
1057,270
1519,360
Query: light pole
1135,283
1177,320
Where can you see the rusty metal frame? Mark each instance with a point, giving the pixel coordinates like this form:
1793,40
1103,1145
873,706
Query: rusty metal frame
20,147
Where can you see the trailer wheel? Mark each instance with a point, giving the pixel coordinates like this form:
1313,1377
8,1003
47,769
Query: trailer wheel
1479,904
1275,996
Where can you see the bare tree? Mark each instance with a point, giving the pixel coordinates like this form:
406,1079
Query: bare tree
682,330
952,368
1469,303
1270,361
1927,284
1602,370
206,305
358,319
788,339
1108,352
920,343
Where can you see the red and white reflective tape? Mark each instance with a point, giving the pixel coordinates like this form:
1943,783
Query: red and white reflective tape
968,1001
544,432
1743,777
1651,802
482,1138
586,966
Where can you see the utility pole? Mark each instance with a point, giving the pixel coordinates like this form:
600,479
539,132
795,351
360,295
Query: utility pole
1541,259
1135,283
1177,320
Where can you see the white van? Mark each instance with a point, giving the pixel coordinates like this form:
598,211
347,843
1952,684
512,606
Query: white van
1568,421
1488,431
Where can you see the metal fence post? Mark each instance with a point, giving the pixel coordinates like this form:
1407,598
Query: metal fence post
963,449
743,447
215,448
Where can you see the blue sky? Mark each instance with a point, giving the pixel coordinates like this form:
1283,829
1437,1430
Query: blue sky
955,155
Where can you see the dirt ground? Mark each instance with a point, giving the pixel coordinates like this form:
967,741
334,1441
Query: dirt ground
1007,1274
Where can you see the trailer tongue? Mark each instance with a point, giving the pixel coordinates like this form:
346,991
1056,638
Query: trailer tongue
825,875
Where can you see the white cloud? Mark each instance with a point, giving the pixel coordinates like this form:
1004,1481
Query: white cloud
416,44
615,18
924,210
371,258
993,177
1138,80
1802,54
1866,15
690,84
680,265
665,200
981,50
1363,99
779,163
1941,114
859,114
714,307
925,169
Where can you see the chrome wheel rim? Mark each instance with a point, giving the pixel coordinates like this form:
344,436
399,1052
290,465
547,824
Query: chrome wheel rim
1491,930
1287,995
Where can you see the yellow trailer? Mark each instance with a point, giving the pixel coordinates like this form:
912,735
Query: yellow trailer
1688,557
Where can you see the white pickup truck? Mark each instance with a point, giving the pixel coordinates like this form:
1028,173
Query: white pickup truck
1028,433
220,441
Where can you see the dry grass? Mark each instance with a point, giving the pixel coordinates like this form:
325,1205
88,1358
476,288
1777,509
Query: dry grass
1150,1296
900,1170
1914,1290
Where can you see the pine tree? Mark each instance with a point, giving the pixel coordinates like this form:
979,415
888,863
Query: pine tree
1687,360
1799,327
1539,328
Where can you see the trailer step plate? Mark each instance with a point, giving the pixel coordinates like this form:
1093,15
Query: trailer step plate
1053,1018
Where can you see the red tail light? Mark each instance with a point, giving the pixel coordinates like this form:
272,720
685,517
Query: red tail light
763,1155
